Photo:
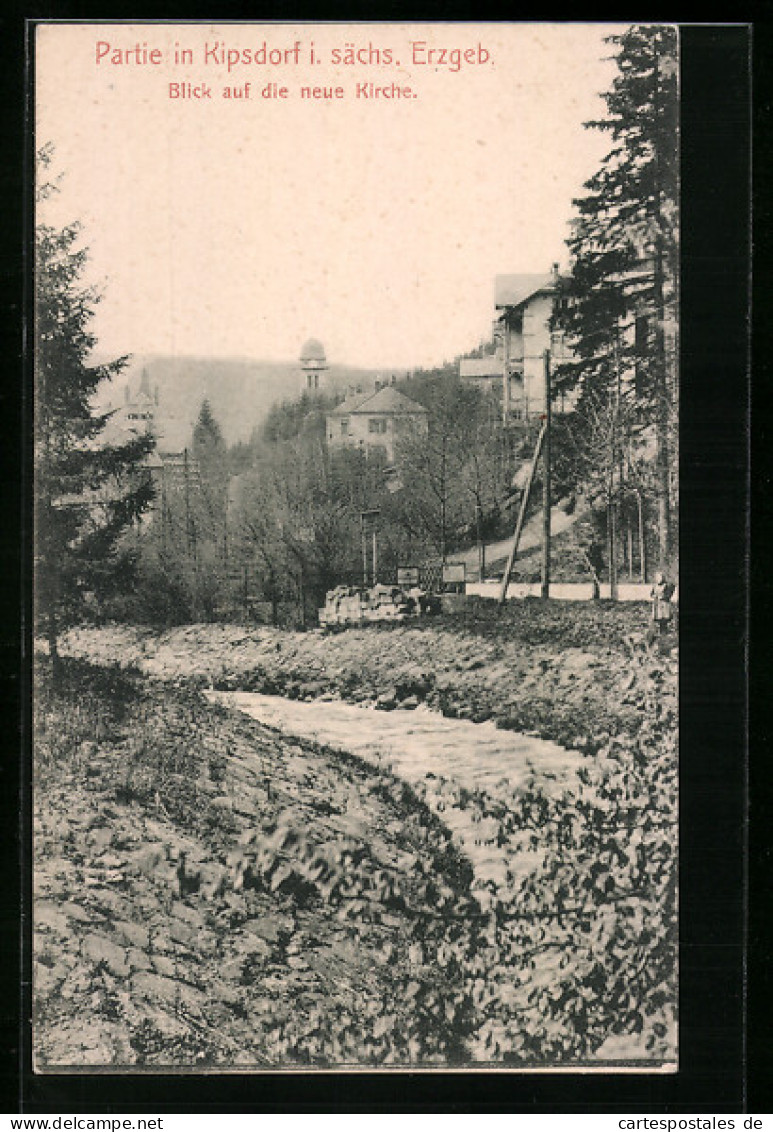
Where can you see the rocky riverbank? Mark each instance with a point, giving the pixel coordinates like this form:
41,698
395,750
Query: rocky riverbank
561,671
211,893
207,893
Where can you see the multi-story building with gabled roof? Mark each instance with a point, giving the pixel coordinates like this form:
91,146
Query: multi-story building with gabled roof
375,421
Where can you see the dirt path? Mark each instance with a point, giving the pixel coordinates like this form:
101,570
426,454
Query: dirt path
531,537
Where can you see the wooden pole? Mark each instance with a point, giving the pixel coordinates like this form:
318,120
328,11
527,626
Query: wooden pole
612,545
506,373
481,548
164,515
642,539
546,501
521,517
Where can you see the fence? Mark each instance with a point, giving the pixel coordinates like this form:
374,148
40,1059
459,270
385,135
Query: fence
561,591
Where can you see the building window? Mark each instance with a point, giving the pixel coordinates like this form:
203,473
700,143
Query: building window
376,424
345,426
557,343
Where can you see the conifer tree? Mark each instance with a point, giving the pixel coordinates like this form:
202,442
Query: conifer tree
621,297
87,491
209,452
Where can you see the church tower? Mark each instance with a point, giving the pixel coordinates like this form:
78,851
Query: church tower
313,366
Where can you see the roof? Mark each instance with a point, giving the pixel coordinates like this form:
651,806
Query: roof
488,366
384,400
312,351
514,290
351,402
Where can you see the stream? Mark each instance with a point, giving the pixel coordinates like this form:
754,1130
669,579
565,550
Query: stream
461,770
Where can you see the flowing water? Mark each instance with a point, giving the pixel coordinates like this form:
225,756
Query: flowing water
461,770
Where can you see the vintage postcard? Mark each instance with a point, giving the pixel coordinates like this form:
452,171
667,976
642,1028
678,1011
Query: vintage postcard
356,575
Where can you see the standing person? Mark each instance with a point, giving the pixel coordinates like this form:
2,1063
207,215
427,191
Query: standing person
661,594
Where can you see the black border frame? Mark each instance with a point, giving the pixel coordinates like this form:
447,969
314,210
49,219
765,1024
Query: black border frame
713,1074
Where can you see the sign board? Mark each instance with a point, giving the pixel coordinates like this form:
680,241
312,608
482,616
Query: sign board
407,575
454,572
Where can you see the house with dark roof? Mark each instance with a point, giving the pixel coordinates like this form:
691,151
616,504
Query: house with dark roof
375,421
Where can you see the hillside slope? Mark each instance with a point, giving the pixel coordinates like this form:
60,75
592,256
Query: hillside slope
240,390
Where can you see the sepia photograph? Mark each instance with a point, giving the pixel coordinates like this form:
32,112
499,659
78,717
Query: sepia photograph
356,577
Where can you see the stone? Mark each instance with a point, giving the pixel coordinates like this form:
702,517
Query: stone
111,861
131,934
76,912
137,960
190,915
105,901
49,916
183,933
155,987
103,951
100,837
163,965
267,928
192,996
46,979
167,1025
222,803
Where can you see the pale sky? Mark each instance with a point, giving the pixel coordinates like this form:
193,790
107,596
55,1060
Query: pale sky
242,227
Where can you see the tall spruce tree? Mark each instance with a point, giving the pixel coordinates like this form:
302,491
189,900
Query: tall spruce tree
622,293
87,491
209,452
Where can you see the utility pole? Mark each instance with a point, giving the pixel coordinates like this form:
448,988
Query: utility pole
481,545
661,371
364,551
365,518
164,513
614,465
642,537
521,515
506,373
546,481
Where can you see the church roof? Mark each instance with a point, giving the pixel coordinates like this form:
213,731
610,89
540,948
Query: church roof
313,351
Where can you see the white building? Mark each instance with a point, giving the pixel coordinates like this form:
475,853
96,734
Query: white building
525,331
375,421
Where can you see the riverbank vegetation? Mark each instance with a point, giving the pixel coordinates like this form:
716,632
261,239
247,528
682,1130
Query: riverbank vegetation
159,810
